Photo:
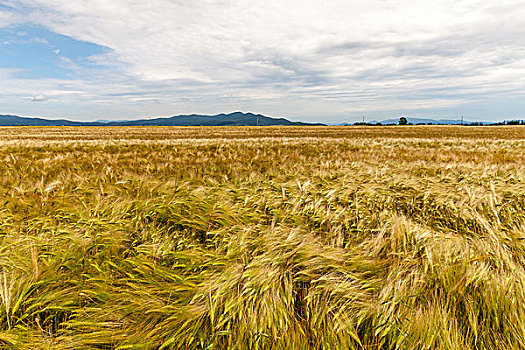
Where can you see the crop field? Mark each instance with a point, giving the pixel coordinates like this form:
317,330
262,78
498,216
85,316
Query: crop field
262,237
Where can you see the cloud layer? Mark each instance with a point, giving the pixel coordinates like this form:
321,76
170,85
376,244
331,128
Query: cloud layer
323,60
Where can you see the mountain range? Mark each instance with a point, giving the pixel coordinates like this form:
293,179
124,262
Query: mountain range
230,119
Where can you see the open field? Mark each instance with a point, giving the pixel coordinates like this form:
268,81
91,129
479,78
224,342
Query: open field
262,238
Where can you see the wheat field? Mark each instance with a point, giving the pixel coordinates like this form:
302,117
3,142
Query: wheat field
262,237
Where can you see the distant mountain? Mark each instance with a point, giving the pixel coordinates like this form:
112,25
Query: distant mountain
105,121
231,119
13,120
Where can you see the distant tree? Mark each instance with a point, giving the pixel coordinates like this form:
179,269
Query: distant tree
403,121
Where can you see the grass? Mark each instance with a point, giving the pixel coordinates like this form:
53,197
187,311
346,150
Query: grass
262,238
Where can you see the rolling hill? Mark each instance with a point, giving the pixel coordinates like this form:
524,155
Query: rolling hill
230,119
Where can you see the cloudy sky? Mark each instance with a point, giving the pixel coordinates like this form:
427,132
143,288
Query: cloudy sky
328,61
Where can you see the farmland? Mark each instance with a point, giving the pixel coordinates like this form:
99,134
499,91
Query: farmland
262,237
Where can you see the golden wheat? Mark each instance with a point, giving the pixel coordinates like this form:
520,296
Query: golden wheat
263,238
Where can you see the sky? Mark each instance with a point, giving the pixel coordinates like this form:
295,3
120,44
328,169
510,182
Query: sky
326,61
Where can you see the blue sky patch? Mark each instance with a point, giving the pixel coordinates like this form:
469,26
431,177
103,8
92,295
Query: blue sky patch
41,53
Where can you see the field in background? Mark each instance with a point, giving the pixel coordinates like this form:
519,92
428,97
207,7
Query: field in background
262,238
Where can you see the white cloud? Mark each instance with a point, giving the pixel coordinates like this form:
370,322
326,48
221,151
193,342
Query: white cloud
39,98
346,55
